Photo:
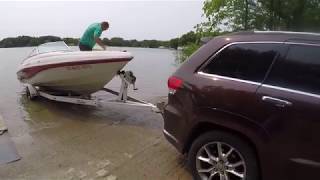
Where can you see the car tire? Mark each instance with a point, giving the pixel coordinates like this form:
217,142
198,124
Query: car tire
209,142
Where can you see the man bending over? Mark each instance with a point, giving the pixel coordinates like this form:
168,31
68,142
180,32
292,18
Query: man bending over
92,36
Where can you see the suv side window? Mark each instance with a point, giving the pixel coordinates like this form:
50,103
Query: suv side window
300,70
244,61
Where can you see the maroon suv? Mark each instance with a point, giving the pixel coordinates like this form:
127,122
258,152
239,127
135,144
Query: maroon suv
247,106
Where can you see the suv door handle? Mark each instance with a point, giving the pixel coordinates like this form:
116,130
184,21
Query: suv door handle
277,102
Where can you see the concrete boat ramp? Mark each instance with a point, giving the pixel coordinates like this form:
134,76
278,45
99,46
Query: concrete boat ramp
62,141
8,152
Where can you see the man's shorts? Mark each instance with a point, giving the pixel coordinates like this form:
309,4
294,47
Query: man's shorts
83,47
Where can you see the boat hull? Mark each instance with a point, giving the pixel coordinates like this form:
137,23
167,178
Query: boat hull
78,79
81,77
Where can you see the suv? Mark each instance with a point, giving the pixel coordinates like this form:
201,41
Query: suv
247,106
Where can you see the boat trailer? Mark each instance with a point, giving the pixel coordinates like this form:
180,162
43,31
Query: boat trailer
127,79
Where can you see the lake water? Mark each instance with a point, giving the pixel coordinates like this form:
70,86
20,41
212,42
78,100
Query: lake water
152,67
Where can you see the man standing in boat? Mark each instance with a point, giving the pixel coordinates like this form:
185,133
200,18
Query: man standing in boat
92,36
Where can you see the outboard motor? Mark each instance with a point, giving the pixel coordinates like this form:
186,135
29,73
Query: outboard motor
127,78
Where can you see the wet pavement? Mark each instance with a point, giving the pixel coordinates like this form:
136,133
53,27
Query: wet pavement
66,141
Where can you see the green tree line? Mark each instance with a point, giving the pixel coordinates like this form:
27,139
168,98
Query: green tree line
23,41
118,41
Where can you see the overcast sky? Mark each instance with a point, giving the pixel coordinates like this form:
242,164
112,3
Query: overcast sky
130,19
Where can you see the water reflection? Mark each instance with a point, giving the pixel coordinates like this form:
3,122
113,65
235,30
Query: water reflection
41,113
179,58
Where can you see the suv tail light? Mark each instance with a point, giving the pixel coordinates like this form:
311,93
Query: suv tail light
174,84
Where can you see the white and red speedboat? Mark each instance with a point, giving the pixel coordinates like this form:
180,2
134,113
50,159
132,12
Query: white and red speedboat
55,67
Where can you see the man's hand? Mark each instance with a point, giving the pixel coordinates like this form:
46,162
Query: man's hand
99,41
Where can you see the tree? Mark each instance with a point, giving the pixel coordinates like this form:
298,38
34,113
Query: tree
174,43
45,39
190,37
106,41
295,15
234,15
117,41
134,43
226,15
71,41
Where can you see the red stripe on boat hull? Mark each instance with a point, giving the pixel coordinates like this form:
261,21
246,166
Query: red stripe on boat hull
31,71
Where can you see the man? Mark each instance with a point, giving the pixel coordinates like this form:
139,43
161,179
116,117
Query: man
92,36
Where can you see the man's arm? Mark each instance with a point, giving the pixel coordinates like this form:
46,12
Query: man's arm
98,41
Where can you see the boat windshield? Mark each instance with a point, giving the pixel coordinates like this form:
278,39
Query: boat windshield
50,47
53,46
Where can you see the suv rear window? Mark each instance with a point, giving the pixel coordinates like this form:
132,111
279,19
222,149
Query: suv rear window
244,61
300,70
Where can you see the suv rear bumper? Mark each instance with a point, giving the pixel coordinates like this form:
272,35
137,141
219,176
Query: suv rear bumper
174,127
173,140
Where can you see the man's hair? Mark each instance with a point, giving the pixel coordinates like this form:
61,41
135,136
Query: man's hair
105,24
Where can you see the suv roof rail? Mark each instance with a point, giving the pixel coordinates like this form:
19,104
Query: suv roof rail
287,32
242,33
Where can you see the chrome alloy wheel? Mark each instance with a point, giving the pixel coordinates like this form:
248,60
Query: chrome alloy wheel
220,161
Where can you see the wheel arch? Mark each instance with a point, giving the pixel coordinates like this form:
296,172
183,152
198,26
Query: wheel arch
205,127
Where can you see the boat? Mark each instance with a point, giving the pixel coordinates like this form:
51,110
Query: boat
55,67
